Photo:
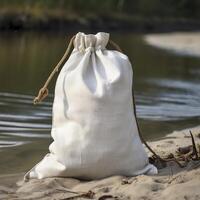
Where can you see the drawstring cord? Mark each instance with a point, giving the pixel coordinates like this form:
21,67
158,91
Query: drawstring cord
43,92
116,46
162,160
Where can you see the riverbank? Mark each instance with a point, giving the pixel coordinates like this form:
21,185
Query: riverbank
112,15
178,42
172,182
71,22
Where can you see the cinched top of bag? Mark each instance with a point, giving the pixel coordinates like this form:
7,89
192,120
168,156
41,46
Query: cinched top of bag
83,41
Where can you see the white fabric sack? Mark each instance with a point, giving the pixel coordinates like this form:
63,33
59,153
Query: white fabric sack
94,127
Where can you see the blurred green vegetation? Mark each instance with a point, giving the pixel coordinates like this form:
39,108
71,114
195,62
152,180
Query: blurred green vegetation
19,12
146,8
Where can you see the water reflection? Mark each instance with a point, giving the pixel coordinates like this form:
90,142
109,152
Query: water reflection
176,100
19,118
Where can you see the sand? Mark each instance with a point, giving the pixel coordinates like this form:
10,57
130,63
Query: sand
171,183
179,43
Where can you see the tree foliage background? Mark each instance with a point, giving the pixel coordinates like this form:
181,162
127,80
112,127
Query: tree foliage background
138,8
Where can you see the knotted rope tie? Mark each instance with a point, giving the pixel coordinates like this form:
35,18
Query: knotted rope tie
42,94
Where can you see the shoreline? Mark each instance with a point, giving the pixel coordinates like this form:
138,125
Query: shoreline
22,21
180,43
172,182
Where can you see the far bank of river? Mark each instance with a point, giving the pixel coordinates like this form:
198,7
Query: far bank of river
23,21
181,43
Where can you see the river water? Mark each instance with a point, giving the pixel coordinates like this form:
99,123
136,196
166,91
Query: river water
167,89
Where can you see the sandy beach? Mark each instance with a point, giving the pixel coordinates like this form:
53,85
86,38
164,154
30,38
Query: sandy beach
187,43
172,182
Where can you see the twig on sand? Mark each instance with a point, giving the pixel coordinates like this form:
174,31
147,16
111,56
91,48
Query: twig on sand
107,196
185,154
88,195
174,159
66,190
194,147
